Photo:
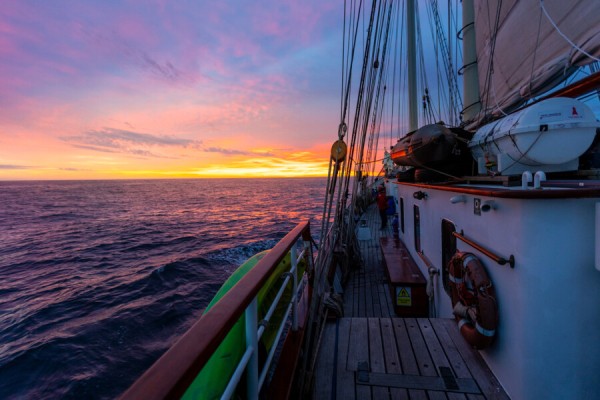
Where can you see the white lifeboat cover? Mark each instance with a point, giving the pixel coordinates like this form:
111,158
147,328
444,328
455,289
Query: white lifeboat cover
553,131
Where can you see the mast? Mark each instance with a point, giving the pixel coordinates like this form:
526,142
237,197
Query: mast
413,116
471,77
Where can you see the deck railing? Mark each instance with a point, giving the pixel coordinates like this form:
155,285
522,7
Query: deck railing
175,371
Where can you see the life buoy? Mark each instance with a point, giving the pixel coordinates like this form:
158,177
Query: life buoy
473,300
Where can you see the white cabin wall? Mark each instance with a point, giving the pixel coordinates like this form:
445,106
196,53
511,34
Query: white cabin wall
437,207
562,299
546,304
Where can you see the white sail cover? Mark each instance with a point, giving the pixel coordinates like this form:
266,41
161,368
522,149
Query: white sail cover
537,45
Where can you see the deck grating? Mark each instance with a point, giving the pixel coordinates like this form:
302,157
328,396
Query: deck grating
371,354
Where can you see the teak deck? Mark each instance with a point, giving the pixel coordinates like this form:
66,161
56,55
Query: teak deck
371,354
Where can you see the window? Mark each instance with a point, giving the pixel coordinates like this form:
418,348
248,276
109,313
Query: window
402,214
417,228
448,250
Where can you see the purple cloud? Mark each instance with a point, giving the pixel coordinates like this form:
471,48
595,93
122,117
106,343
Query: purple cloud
231,152
13,166
110,140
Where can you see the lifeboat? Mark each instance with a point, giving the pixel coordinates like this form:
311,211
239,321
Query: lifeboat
434,147
549,136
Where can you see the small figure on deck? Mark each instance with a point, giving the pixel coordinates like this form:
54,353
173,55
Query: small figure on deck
382,205
391,207
395,225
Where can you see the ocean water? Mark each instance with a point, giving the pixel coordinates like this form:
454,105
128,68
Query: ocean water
99,278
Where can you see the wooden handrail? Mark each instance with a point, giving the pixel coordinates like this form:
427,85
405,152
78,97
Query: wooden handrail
500,260
175,370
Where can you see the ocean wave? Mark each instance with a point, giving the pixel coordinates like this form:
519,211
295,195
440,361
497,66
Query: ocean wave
100,278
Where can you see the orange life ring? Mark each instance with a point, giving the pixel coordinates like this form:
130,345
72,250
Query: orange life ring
473,300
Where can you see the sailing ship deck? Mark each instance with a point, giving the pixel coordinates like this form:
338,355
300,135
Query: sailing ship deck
371,354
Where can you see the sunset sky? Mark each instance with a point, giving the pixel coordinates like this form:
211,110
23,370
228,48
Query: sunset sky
107,89
129,89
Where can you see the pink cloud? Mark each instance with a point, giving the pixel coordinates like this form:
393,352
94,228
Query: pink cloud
136,30
197,71
292,22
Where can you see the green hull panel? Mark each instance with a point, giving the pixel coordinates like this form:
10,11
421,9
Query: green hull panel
213,379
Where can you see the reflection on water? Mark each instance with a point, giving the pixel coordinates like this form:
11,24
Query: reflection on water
100,277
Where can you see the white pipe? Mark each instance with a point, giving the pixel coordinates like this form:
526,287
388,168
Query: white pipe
237,374
267,365
294,257
526,179
458,199
251,315
538,178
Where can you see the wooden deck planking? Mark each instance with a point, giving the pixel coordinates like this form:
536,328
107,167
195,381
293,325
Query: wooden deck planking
438,357
376,356
395,358
457,363
488,383
344,389
400,349
326,362
392,359
358,351
421,354
407,356
367,285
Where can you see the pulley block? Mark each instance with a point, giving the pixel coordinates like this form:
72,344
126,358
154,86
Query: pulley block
338,151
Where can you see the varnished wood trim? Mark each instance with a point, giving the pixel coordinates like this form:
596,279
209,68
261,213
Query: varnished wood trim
591,190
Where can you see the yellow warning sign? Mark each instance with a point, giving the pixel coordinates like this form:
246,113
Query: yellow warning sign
403,297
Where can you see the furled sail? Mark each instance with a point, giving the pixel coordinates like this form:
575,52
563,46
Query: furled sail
526,47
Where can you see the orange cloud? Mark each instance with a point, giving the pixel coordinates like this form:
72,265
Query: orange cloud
176,91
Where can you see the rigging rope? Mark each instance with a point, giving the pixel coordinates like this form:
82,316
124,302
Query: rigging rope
394,80
455,100
563,35
378,110
340,187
